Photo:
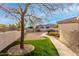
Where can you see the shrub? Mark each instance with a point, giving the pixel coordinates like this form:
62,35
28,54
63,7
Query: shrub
54,34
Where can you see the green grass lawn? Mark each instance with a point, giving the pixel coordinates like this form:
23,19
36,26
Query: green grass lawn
42,47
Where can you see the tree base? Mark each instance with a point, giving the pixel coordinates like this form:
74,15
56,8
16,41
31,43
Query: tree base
16,51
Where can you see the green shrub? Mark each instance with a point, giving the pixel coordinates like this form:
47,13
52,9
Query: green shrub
54,34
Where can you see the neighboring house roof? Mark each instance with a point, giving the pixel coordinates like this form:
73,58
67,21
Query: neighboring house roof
71,20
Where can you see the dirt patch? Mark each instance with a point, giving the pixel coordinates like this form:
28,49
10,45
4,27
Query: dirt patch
33,36
16,51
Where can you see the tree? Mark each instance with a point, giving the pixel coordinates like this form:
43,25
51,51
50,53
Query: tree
34,21
23,9
2,27
12,26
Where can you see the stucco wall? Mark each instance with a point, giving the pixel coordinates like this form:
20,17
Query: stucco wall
6,38
71,39
69,26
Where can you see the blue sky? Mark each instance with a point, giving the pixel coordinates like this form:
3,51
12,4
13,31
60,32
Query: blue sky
57,16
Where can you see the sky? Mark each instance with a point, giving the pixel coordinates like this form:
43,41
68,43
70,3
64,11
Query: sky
56,16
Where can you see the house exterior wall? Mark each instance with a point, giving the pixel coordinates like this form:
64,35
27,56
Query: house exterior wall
69,35
71,39
69,26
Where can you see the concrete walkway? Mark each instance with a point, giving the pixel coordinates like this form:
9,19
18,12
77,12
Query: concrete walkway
63,50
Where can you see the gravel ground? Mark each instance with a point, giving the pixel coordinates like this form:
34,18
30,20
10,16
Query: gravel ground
33,36
7,38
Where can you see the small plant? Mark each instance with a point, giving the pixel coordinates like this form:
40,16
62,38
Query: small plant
54,34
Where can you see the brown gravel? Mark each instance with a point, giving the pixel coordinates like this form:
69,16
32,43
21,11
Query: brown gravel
33,36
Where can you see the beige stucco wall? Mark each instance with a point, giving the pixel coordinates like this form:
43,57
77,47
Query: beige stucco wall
71,39
69,35
69,26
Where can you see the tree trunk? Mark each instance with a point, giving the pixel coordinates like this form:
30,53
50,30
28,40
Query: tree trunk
22,33
33,29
